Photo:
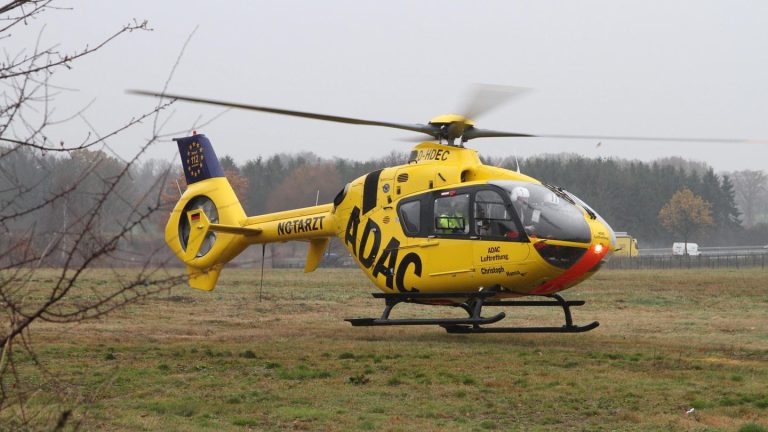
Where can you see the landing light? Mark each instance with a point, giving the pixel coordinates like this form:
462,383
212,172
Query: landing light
598,248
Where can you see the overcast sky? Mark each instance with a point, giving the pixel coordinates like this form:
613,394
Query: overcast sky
659,68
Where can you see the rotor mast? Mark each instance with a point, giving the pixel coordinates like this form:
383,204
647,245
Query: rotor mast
449,127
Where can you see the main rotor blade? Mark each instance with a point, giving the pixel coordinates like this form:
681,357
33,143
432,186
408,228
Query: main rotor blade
473,133
486,133
427,129
637,138
484,98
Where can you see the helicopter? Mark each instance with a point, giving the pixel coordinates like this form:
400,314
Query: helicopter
444,229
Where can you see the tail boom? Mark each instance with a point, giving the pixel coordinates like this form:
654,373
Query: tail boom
300,224
208,226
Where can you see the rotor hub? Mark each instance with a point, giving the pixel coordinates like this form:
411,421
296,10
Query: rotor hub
449,127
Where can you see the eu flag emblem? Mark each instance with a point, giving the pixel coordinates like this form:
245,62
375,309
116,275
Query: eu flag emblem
198,158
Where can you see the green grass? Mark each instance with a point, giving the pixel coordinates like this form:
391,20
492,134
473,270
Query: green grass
668,342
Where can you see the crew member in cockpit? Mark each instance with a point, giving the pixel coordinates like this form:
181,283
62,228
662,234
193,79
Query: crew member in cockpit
450,217
520,196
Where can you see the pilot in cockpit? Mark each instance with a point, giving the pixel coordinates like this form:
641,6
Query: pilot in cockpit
521,201
520,196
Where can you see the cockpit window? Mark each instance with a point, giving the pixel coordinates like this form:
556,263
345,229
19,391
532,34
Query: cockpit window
410,213
493,218
452,214
596,215
545,213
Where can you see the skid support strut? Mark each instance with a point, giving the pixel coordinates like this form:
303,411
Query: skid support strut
472,303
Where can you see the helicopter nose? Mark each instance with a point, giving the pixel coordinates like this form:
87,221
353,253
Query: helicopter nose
604,234
590,261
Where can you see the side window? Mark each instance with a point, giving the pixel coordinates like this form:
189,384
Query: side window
492,218
451,214
410,213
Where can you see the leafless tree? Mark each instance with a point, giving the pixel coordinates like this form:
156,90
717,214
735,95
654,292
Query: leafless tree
72,207
751,194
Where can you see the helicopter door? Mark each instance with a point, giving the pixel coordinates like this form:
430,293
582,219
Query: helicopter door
500,245
449,228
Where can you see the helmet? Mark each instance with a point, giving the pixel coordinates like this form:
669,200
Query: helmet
520,192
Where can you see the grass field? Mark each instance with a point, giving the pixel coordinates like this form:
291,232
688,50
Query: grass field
669,342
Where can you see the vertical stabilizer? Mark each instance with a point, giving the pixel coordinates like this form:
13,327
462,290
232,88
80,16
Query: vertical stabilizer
198,158
205,228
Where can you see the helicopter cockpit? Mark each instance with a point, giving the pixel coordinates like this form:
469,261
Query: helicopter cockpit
546,212
475,212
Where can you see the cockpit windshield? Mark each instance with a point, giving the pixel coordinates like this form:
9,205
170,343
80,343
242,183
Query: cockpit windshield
600,218
547,213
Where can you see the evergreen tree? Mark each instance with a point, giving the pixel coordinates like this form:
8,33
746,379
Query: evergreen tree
732,213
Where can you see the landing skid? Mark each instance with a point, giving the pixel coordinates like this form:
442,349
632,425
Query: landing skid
473,305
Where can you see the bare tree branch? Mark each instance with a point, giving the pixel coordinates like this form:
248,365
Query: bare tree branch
74,207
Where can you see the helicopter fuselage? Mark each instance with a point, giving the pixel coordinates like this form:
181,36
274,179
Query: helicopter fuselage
446,223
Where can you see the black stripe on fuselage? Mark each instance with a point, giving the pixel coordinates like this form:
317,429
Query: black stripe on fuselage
370,191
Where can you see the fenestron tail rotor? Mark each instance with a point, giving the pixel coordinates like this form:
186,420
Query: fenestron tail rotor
451,127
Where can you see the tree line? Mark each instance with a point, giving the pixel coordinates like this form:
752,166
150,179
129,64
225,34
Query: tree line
628,194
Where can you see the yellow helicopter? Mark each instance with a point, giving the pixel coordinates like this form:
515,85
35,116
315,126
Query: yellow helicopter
443,229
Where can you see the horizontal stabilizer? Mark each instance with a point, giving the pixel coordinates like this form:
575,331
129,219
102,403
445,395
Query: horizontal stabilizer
231,229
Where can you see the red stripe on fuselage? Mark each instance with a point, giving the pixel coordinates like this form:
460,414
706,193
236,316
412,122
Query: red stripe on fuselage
585,264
